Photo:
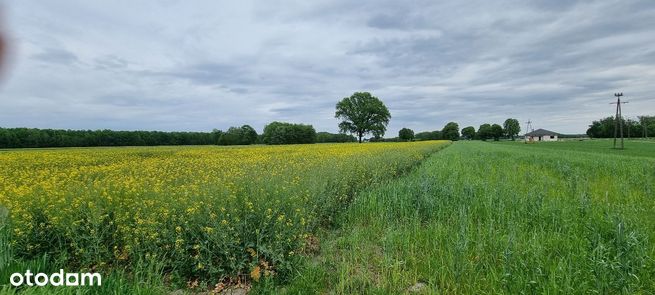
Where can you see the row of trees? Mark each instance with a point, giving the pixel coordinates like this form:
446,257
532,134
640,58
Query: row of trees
487,131
361,113
35,138
510,129
274,133
644,126
364,114
449,132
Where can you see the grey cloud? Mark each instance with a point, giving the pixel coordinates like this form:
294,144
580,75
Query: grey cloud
56,56
398,20
553,5
110,62
215,73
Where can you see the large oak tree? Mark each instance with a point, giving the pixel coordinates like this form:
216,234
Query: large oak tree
362,114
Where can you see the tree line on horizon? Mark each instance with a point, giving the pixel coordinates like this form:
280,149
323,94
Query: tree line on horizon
510,130
279,133
644,126
364,114
361,114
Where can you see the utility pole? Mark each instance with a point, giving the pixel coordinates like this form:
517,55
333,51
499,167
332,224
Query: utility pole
527,130
618,124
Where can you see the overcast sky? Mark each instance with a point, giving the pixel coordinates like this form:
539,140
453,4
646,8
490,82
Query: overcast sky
199,65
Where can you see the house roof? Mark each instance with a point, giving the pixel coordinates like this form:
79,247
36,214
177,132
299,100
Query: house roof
541,132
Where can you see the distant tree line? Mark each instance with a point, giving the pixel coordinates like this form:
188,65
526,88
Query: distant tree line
326,137
243,135
428,135
510,130
644,126
449,132
274,133
35,138
360,113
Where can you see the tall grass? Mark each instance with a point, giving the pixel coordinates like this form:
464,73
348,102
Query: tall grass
634,147
493,218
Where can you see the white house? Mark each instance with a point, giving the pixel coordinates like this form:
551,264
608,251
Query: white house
541,135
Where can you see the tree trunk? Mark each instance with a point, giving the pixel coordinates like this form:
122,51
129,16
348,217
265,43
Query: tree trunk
360,137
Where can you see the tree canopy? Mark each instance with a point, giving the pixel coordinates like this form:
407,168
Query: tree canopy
37,138
604,128
243,135
406,134
511,128
468,132
361,114
324,137
288,133
428,135
484,132
450,131
496,131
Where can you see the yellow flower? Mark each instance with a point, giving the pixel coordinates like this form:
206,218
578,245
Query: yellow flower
255,274
142,194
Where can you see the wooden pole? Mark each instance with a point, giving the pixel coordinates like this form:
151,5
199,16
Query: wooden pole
616,120
621,122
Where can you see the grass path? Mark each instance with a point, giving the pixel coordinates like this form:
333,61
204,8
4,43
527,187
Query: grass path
497,218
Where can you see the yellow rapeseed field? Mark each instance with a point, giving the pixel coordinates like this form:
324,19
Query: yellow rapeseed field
204,212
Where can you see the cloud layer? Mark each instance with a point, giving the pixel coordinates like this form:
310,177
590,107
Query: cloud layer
177,65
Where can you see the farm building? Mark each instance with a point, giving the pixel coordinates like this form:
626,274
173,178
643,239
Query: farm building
541,135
